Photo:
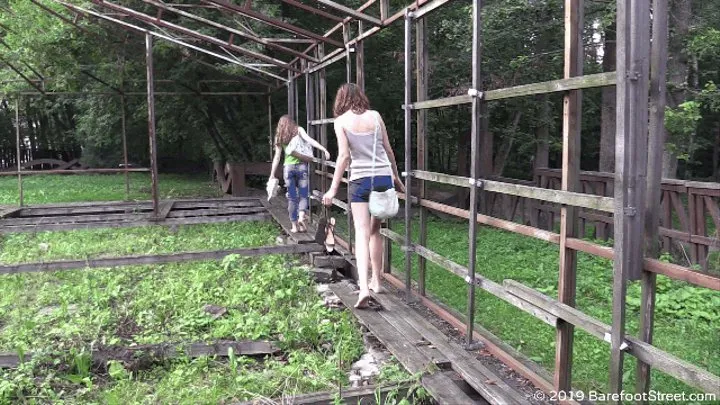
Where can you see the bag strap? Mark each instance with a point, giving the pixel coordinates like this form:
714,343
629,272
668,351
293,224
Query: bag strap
377,129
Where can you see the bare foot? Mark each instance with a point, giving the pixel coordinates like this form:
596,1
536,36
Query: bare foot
376,287
363,299
294,228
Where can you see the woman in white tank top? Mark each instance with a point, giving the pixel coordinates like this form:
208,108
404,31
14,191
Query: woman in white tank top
358,129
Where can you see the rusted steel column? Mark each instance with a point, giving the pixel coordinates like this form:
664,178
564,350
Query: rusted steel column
323,114
360,59
408,154
421,54
656,141
19,158
151,122
309,111
348,55
570,181
633,19
270,125
475,129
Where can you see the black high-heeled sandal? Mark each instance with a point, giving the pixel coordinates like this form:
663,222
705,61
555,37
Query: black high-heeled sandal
330,236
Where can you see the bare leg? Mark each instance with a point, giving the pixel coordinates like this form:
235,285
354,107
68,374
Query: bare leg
361,217
376,253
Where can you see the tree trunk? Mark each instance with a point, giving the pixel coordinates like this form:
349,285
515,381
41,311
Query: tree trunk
463,161
506,147
678,71
542,136
607,109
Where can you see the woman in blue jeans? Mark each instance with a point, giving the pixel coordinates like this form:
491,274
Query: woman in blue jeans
297,146
363,144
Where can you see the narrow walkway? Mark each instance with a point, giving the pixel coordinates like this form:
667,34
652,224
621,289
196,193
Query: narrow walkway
451,374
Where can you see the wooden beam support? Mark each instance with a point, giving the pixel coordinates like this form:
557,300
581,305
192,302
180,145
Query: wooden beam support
408,152
152,138
156,259
360,59
633,42
572,116
656,144
18,156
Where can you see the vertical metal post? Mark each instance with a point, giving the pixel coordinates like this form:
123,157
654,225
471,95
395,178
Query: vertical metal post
323,114
124,141
270,125
408,153
291,96
384,9
421,54
310,130
360,59
151,122
633,17
570,181
19,157
475,139
348,55
656,141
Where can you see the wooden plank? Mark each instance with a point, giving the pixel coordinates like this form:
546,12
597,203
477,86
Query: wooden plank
461,271
165,208
409,322
278,209
653,356
427,8
10,212
595,202
361,395
438,384
124,224
40,211
552,86
570,182
155,259
170,350
505,353
713,209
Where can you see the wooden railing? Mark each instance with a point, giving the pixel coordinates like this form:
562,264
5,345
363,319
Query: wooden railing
689,222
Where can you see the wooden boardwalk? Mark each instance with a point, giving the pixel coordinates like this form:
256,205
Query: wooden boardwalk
451,374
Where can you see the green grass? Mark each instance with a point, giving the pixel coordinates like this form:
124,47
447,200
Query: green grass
60,316
686,323
44,189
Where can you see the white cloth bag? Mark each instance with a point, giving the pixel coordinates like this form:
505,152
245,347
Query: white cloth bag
272,187
382,204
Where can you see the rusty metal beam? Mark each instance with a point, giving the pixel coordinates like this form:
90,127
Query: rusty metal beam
228,45
58,15
176,41
351,13
233,31
316,11
21,74
247,12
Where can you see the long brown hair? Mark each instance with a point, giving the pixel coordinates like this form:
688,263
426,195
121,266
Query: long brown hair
286,130
350,97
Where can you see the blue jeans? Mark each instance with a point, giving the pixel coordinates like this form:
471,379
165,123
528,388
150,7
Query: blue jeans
296,181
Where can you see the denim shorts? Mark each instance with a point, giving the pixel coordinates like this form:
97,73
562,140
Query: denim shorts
360,188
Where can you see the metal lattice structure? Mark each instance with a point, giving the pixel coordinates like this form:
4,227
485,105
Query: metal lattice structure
639,138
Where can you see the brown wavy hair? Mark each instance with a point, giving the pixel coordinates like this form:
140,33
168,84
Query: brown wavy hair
350,97
286,130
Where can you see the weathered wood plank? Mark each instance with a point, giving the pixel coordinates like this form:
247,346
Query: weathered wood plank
155,259
652,356
552,86
278,209
170,350
165,208
486,284
410,322
439,385
595,202
362,395
124,224
10,212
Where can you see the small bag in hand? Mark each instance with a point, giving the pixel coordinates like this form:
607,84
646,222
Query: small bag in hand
272,187
382,204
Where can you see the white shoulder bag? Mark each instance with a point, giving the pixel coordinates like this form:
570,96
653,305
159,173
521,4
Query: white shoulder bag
383,204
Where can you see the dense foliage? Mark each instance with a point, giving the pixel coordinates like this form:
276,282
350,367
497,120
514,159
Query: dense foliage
523,43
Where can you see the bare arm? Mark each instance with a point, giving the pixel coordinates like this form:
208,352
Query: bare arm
390,155
276,161
343,160
313,143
